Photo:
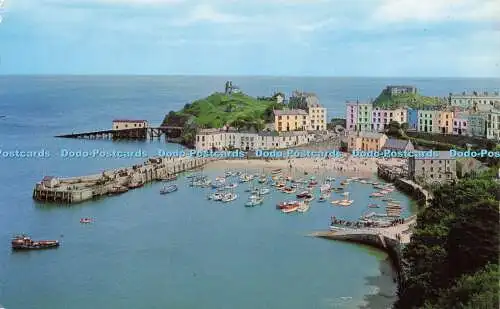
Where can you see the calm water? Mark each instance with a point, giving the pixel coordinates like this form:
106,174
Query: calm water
177,251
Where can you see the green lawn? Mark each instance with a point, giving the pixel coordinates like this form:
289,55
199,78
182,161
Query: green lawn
387,101
237,109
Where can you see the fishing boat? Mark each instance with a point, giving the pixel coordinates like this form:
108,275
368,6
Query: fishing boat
324,197
290,208
276,171
303,207
231,186
263,191
220,178
303,194
387,199
313,183
169,189
24,242
338,189
216,196
217,185
254,200
373,206
335,202
325,187
346,201
229,197
284,204
86,220
377,194
289,190
246,178
118,190
280,185
309,198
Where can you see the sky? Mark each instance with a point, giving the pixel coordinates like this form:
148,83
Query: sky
379,38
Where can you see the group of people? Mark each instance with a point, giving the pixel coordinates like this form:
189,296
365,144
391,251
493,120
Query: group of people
358,224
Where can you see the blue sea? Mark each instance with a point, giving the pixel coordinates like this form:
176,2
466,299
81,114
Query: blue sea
145,250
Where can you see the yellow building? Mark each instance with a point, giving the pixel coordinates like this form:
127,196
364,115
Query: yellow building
124,124
366,141
291,120
317,117
445,122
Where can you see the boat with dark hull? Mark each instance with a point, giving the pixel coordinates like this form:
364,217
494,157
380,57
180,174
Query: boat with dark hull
23,242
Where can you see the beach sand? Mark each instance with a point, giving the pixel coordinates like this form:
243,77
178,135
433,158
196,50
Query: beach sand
347,165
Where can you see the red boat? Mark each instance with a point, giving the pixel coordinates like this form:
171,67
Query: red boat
313,182
286,204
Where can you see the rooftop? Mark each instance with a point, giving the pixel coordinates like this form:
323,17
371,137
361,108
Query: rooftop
129,120
399,144
400,86
366,134
476,94
289,112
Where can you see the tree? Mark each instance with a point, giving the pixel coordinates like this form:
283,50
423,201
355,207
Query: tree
405,126
394,128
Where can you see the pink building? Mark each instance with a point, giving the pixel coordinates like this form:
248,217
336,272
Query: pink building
351,115
382,117
460,125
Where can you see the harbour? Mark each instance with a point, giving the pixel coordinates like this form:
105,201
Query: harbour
184,249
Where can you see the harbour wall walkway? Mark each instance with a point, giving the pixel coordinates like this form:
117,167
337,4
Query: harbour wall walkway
79,189
388,239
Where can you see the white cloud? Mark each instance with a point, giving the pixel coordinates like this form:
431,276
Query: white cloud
317,25
436,10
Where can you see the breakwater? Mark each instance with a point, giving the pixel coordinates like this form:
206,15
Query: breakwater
79,189
398,176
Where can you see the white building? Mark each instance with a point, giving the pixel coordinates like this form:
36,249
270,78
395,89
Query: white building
468,100
223,140
124,124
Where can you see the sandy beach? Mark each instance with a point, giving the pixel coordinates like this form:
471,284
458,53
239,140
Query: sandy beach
347,165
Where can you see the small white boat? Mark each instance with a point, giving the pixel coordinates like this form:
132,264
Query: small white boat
330,179
254,200
335,202
303,207
345,202
263,191
337,228
229,197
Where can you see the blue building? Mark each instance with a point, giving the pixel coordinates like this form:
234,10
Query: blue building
412,119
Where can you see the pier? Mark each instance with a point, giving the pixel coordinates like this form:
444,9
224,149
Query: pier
79,189
134,133
388,239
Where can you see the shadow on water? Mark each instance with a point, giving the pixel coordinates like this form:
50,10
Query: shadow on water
386,286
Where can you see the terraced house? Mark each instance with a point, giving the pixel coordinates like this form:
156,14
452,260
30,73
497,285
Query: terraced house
291,120
359,116
429,121
382,117
468,100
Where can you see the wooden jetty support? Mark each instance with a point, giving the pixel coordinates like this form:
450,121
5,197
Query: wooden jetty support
79,189
134,133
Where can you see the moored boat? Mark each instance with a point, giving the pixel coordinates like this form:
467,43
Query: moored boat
23,242
169,189
373,206
229,197
276,171
289,190
303,194
86,220
377,194
254,200
324,197
118,190
290,208
285,204
231,186
309,198
303,207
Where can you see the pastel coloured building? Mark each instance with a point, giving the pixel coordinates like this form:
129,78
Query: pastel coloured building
446,122
412,119
291,120
428,121
366,141
460,126
351,115
382,117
